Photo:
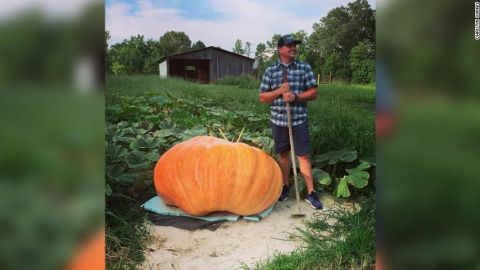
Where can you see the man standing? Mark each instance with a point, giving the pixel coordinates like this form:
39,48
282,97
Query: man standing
290,80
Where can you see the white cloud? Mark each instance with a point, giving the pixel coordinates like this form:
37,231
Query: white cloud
248,20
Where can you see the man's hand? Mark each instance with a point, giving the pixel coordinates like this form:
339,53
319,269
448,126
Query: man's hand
289,97
285,87
283,90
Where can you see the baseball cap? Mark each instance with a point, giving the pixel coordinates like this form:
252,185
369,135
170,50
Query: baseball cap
287,39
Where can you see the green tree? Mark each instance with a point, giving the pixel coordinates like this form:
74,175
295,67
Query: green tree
135,55
272,45
130,54
238,47
338,64
170,43
303,48
198,45
260,52
107,56
174,42
362,21
247,49
266,54
154,54
362,62
118,69
337,33
260,59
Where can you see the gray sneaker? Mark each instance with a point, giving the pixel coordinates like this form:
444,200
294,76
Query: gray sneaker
312,199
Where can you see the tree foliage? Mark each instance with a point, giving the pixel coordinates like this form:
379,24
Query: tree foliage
136,55
362,62
174,42
247,50
336,34
130,54
304,47
107,59
198,45
238,47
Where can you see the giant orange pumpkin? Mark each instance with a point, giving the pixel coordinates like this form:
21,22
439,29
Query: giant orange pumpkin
206,174
91,254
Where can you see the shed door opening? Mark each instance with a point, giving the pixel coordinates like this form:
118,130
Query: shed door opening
197,70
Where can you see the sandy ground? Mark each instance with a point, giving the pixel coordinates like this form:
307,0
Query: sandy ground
233,243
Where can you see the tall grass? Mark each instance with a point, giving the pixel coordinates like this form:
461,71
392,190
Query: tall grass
343,117
127,234
245,82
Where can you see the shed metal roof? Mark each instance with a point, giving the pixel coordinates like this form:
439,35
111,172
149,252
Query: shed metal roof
206,48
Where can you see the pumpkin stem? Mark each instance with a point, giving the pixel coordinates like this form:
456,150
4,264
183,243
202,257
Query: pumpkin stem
223,135
240,136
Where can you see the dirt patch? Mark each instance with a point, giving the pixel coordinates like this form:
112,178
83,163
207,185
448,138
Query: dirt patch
233,243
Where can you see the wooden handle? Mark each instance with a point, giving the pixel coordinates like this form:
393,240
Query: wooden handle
292,154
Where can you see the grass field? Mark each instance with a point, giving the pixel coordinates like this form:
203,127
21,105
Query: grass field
146,115
342,117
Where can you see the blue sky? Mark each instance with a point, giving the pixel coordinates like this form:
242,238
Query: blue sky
193,10
215,22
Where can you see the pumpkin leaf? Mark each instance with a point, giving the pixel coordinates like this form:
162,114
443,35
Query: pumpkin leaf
144,143
153,155
116,153
125,135
127,178
137,160
190,133
122,124
363,165
357,176
263,142
139,129
357,181
333,157
163,133
159,101
130,131
342,189
114,171
349,156
370,161
247,136
117,138
321,176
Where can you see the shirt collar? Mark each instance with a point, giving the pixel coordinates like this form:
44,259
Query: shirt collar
279,64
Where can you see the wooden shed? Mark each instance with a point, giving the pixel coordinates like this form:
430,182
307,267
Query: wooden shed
205,65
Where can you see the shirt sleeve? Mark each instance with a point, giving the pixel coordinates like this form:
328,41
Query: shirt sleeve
265,84
310,80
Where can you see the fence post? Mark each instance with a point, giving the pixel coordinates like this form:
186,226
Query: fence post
330,77
318,79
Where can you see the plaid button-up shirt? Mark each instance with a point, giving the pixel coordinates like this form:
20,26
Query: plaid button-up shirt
300,76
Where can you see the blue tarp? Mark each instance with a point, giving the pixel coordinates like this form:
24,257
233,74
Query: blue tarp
156,205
